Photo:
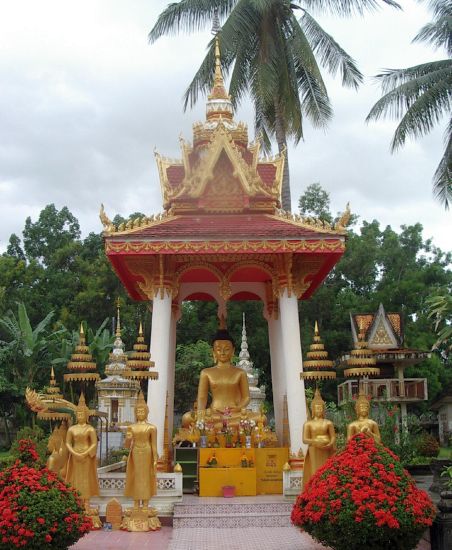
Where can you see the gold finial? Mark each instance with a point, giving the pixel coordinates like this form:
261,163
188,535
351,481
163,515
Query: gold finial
140,330
286,467
222,322
218,90
178,468
118,324
82,332
316,329
52,377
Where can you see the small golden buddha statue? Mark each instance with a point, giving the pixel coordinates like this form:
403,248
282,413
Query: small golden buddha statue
363,424
189,418
141,438
227,384
81,442
319,434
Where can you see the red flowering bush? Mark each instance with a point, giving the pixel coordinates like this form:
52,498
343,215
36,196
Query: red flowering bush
37,510
363,498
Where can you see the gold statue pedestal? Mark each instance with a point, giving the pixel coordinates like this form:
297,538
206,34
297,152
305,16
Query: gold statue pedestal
141,520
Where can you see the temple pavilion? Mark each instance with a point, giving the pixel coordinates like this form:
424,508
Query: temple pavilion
222,236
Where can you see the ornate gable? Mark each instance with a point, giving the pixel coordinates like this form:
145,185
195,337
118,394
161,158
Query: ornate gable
382,330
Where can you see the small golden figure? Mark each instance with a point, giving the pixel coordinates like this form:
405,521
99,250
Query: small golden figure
319,434
141,470
363,424
81,442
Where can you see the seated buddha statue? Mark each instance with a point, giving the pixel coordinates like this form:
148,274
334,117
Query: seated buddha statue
227,385
363,424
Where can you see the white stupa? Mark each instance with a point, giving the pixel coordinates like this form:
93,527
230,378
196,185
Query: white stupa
257,394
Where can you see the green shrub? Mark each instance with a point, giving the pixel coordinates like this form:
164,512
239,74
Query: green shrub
428,445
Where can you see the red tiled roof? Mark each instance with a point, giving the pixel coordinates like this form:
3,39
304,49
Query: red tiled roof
234,226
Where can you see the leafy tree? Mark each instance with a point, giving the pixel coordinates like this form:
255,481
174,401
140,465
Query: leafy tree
275,58
422,95
315,201
440,310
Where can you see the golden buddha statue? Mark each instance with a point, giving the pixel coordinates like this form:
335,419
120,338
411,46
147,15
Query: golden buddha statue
141,439
363,424
81,442
319,434
227,384
189,418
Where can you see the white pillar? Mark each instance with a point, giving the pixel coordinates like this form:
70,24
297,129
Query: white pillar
291,344
160,350
278,374
171,374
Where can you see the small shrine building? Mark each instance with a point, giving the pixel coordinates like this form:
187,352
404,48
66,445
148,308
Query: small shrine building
222,236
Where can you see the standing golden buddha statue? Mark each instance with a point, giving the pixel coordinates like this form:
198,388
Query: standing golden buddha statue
81,442
319,434
363,424
141,469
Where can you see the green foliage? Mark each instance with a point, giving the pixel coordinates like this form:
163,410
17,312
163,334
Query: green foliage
37,436
440,310
447,474
315,201
428,445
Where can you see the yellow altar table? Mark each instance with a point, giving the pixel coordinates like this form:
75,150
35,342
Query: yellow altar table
265,477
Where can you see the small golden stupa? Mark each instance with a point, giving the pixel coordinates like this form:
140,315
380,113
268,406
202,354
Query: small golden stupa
81,366
139,361
361,361
317,366
53,394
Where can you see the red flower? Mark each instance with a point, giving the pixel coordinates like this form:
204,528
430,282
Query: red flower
48,538
41,520
365,482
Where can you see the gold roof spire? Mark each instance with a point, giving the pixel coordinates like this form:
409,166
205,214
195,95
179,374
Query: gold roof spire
317,366
118,324
219,105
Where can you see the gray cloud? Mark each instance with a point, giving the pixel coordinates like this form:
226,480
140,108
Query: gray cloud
85,100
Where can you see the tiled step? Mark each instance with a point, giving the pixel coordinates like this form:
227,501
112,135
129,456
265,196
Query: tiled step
233,514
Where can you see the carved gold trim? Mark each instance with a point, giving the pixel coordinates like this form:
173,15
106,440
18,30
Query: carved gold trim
196,247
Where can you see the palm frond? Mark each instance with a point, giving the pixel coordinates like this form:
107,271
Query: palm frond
329,53
406,91
442,180
346,8
188,16
437,33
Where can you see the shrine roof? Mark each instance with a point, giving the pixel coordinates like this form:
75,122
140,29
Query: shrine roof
233,226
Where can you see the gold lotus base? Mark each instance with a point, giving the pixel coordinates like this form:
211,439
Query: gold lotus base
141,520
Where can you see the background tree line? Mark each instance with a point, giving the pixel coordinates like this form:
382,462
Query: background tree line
51,279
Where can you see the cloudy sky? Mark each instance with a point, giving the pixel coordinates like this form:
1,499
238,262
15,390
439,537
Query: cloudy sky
84,100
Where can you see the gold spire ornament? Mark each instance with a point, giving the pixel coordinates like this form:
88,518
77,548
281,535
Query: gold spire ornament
317,366
362,360
139,361
81,366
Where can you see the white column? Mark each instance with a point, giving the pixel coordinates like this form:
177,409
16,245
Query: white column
171,367
291,344
278,374
160,350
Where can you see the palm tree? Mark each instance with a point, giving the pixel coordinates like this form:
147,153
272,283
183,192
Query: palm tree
275,60
422,95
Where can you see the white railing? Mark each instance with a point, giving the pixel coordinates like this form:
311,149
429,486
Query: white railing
292,482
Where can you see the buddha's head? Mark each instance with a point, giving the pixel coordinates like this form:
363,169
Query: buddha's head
222,344
362,405
141,408
223,351
82,411
317,405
